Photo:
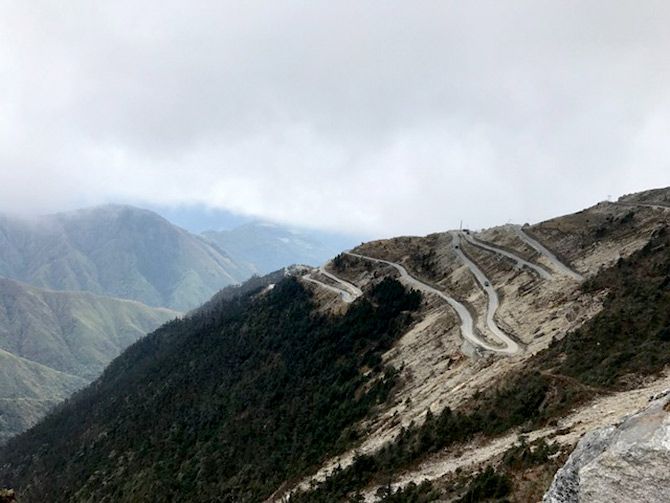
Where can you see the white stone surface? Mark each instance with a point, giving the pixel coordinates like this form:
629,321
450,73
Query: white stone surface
625,463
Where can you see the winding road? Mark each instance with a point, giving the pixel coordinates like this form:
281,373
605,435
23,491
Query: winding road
543,273
348,292
353,290
493,300
539,247
467,323
344,295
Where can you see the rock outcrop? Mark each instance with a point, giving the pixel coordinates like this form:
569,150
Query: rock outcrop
626,462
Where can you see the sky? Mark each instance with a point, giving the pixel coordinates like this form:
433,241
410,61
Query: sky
199,218
375,118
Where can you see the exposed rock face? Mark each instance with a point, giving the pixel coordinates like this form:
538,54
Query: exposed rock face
627,462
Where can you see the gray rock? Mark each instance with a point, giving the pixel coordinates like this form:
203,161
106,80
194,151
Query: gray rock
624,463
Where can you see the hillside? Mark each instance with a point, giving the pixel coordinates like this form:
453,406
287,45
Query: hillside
460,366
268,247
28,391
119,251
229,401
590,348
53,343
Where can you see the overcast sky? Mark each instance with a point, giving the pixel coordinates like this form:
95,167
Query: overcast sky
376,117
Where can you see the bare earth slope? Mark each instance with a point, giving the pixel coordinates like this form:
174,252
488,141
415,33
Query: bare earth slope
442,368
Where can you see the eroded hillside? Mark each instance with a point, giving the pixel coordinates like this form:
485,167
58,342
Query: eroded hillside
460,366
550,279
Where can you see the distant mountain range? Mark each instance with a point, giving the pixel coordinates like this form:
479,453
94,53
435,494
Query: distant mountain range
52,343
119,251
131,253
266,247
77,288
28,391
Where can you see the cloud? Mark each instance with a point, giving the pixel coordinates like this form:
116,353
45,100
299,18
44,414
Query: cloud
375,117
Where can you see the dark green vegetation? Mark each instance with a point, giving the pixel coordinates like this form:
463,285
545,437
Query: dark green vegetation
53,343
250,286
629,338
487,485
521,476
224,405
252,391
524,455
119,251
57,334
490,484
411,493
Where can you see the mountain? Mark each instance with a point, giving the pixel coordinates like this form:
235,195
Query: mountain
52,343
58,341
28,391
458,366
118,251
219,390
267,247
626,461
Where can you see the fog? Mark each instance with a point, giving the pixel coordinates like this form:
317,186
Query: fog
374,117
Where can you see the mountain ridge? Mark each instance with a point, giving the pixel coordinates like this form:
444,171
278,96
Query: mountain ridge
28,390
290,389
267,247
75,291
115,250
55,342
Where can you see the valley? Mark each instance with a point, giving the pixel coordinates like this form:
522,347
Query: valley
524,339
77,288
334,252
54,343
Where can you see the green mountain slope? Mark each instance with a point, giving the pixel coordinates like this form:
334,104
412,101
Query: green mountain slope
118,251
221,406
28,391
52,343
73,332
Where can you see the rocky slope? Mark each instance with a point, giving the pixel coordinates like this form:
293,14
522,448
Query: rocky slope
442,370
525,339
620,463
119,251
